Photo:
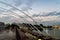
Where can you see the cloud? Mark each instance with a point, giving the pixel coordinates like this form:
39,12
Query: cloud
28,5
54,13
17,2
12,17
9,18
25,5
1,16
47,18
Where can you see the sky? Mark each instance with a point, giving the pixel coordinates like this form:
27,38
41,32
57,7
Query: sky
42,11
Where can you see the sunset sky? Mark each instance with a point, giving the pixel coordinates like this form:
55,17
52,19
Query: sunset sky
42,11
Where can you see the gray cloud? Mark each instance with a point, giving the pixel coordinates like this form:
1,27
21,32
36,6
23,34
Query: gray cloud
24,5
54,13
17,2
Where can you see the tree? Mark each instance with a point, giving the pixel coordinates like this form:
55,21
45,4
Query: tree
39,27
7,26
2,24
13,25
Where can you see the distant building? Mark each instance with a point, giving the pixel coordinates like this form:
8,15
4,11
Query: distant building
56,27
